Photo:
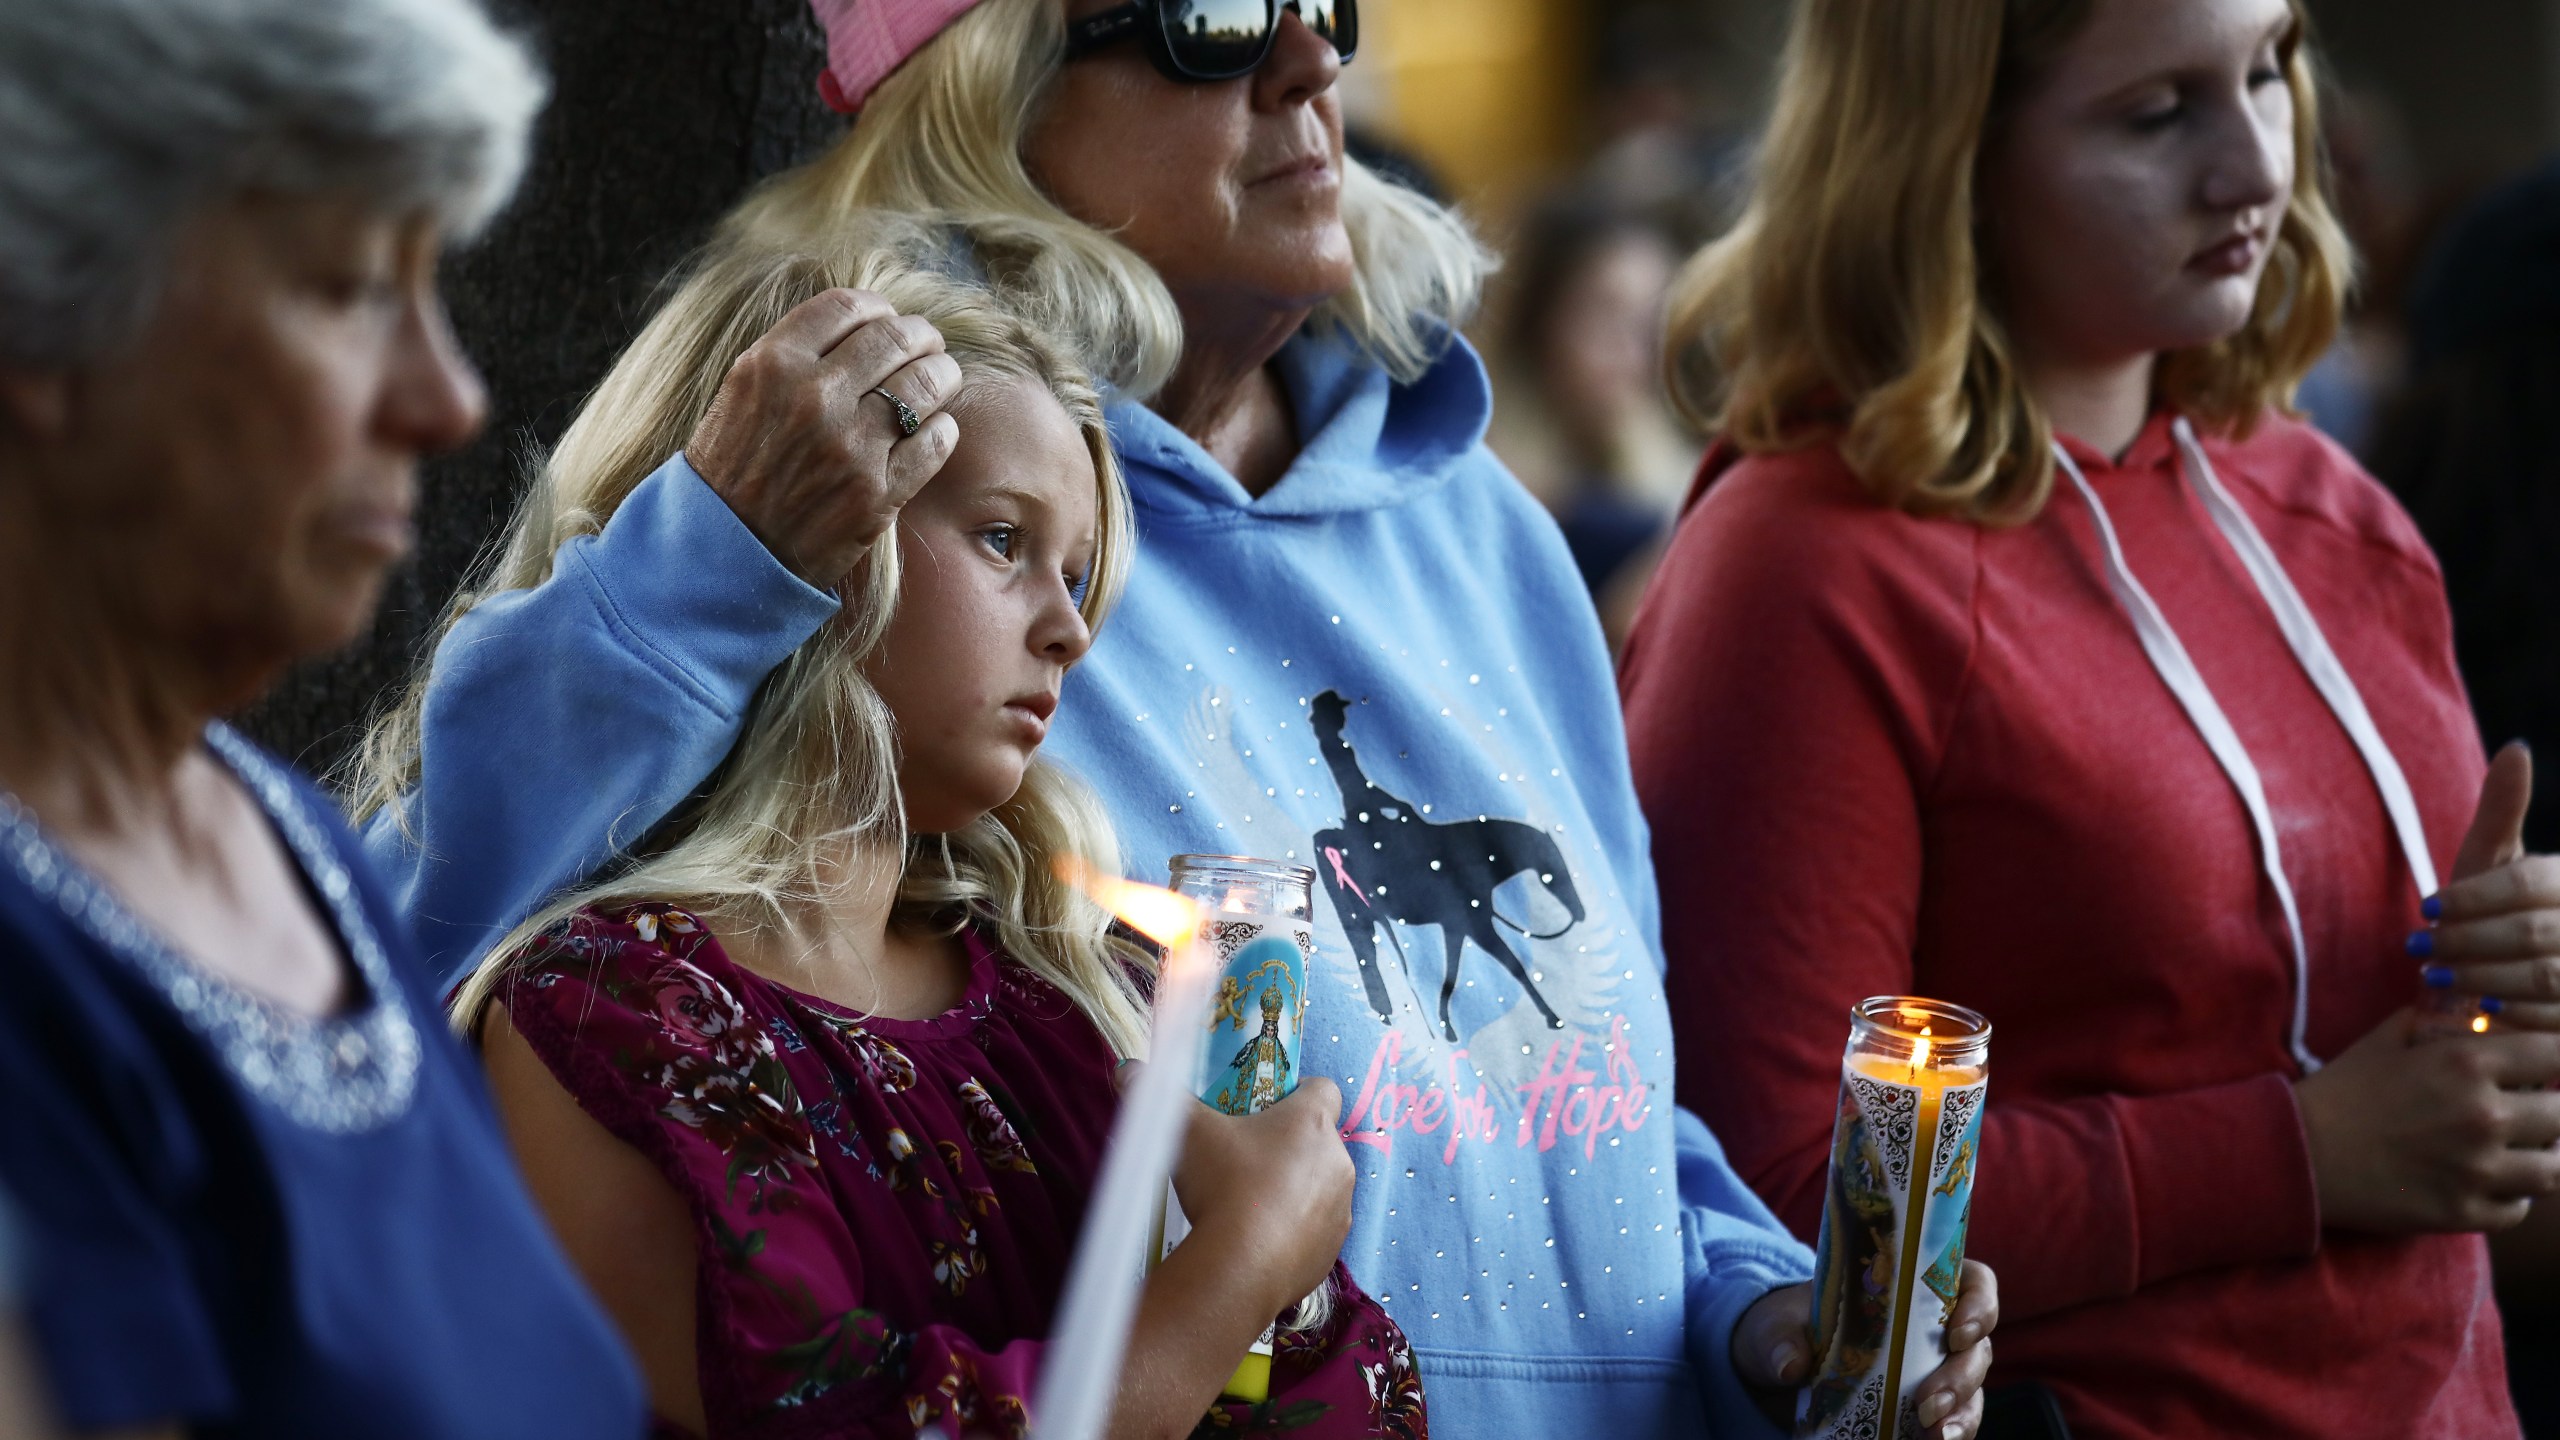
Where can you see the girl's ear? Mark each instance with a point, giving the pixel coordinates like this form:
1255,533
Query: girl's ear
36,402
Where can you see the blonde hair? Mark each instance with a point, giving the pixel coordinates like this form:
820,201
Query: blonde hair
1847,303
815,769
942,138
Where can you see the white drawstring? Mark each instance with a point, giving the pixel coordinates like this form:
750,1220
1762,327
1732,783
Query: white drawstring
2310,649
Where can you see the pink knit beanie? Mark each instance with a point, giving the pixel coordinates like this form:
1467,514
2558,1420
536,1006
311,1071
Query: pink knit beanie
866,39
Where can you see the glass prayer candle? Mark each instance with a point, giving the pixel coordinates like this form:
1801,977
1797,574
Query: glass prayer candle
1258,928
1890,1260
2445,1015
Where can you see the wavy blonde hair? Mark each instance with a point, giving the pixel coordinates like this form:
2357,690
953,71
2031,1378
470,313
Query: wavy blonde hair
815,770
1847,304
942,138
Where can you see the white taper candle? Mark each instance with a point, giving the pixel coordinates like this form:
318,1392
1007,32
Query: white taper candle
1081,1372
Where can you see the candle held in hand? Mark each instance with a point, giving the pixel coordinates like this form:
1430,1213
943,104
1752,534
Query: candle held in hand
1081,1372
1257,923
1890,1260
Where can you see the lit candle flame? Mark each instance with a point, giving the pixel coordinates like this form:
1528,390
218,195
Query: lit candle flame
1920,1050
1168,919
2479,1024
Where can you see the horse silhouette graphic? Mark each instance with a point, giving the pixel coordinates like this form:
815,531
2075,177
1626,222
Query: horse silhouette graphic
1388,864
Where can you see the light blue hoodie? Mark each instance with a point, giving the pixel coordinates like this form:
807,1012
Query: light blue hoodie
1387,668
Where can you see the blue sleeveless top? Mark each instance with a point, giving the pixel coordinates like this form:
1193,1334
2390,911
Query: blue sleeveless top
249,1220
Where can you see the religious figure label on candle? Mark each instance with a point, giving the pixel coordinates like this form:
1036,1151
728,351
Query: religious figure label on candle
1257,922
1890,1259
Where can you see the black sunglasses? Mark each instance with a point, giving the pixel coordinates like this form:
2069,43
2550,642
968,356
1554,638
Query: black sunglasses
1205,40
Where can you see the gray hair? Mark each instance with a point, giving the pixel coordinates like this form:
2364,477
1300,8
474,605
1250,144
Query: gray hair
121,118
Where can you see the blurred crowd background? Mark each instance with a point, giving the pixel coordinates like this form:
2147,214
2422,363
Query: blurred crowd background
1597,143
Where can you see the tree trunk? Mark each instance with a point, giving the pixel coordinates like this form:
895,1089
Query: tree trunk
663,113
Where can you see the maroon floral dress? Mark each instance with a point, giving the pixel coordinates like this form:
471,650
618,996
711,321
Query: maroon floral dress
884,1208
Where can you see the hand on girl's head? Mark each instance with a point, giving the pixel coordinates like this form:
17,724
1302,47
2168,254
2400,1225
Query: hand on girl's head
994,552
803,445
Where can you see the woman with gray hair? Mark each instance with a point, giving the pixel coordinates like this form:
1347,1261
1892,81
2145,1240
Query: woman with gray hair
262,1193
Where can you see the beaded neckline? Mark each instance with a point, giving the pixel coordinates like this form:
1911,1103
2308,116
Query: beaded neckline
342,1074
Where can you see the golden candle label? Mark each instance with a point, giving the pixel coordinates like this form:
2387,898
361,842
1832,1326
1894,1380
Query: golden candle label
1890,1259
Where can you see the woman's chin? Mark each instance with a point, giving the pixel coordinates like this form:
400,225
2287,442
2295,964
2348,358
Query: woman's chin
247,649
1313,260
2214,312
334,611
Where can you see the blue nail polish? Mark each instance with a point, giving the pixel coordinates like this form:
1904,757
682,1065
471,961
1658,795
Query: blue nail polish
2491,1004
2432,907
2438,977
2422,943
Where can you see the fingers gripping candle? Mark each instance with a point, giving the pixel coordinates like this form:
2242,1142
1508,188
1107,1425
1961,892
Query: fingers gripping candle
1890,1259
1256,922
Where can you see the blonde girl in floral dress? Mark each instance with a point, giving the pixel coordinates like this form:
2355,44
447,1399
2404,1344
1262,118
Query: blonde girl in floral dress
815,1091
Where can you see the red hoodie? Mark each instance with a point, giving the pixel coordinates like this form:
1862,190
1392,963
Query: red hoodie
1885,755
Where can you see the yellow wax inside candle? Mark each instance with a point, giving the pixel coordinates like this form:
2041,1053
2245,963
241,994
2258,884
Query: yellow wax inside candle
1252,1380
1932,1083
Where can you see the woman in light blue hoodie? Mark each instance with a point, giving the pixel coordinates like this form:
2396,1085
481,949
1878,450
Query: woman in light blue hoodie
1351,641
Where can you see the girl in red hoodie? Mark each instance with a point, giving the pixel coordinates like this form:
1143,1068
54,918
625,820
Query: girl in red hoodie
2019,649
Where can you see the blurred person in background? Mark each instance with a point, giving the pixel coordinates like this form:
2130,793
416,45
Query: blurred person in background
2473,449
1580,415
2091,690
1660,146
2374,188
261,1191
